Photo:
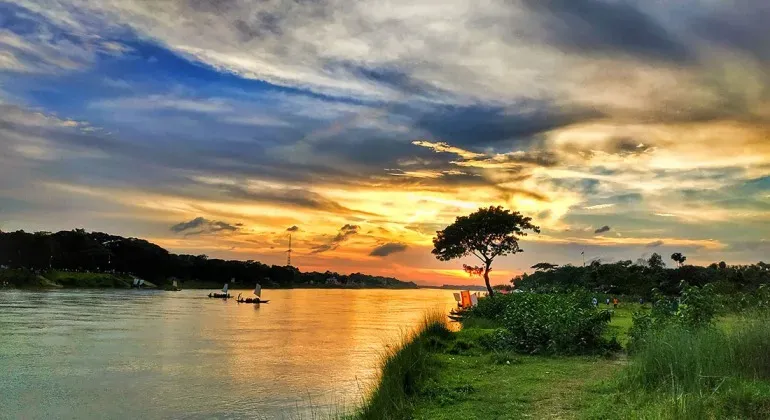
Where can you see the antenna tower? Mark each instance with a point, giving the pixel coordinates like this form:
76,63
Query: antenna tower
288,253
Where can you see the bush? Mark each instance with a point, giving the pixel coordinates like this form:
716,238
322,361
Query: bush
695,373
695,309
693,360
544,323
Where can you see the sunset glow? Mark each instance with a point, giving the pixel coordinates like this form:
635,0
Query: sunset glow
213,127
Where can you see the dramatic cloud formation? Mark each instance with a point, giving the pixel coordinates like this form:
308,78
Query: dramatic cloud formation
344,234
386,249
201,225
650,117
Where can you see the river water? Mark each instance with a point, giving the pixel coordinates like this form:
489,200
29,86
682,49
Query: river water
148,354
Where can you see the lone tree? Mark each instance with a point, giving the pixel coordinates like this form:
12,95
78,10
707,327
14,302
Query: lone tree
485,234
679,258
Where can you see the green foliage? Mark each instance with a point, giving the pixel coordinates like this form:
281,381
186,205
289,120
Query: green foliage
696,308
544,323
405,370
738,284
704,372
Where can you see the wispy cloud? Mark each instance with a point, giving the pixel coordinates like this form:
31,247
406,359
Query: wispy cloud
655,244
600,206
343,235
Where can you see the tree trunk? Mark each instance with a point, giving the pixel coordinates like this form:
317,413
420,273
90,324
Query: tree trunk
486,280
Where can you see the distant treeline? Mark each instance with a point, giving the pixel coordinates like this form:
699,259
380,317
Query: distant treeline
79,250
644,278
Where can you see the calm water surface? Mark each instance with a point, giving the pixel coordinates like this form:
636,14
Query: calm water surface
147,354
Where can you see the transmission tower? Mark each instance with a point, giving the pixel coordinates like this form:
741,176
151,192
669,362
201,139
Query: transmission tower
288,253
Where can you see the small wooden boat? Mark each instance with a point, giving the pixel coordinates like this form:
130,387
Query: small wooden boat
173,288
250,300
257,292
223,295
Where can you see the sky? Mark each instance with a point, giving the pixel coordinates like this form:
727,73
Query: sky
622,128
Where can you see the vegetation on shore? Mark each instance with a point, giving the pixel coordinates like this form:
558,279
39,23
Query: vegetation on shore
682,361
23,278
114,257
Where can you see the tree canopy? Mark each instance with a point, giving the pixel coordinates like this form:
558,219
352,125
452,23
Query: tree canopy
678,258
486,234
78,250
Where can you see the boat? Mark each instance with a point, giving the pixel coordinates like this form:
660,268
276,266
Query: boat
257,299
223,295
137,284
174,287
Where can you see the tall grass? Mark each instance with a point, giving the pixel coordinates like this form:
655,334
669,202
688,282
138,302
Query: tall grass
403,369
703,373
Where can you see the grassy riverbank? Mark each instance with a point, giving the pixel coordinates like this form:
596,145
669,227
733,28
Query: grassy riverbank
708,373
55,279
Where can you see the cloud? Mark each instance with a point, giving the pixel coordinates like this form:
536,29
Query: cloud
599,206
154,102
654,244
602,229
294,228
343,235
291,196
386,249
201,225
601,27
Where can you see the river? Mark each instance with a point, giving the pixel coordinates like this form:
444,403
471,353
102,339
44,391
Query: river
148,354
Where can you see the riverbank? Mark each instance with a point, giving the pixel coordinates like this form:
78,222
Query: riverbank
54,279
715,372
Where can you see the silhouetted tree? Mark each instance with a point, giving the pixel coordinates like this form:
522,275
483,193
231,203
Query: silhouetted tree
485,234
544,266
655,261
678,258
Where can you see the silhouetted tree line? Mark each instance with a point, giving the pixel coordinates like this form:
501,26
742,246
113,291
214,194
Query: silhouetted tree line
100,252
642,278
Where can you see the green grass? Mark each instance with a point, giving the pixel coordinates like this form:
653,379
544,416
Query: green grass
715,373
621,320
88,280
701,374
529,387
405,369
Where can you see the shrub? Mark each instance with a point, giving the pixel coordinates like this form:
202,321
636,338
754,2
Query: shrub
681,359
544,323
696,308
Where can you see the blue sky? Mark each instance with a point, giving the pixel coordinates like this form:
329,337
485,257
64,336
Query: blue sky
369,125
